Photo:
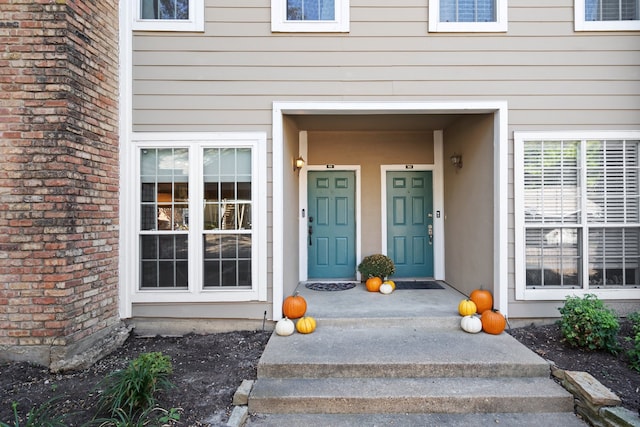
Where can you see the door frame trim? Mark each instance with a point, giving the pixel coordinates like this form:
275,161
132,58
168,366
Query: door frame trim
438,204
302,204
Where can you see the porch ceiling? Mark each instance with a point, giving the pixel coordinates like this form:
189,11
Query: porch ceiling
374,122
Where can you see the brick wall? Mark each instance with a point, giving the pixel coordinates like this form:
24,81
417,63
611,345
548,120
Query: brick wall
59,175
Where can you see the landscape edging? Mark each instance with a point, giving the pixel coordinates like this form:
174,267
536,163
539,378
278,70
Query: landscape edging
594,402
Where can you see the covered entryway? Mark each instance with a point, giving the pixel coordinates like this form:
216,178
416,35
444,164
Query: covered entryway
459,238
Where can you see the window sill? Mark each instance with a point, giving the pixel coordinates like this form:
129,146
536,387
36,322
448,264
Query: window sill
607,25
468,27
175,26
562,294
183,296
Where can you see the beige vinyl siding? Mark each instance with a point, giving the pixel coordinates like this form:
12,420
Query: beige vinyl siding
387,54
227,78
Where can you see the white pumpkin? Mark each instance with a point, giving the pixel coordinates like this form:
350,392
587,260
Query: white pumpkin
471,324
285,327
386,288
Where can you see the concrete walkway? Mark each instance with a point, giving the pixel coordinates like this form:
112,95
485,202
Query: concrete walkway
401,359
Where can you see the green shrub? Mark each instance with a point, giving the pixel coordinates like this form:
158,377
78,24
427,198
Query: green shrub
587,323
376,265
132,390
634,352
40,416
154,416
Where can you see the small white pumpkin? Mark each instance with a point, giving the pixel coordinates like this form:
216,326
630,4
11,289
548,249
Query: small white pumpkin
285,327
386,288
471,324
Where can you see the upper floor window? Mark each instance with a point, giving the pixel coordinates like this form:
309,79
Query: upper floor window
310,15
607,15
168,15
467,15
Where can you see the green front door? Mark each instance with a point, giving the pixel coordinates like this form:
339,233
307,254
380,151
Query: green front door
410,222
331,230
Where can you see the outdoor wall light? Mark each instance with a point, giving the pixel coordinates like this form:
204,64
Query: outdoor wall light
456,160
298,164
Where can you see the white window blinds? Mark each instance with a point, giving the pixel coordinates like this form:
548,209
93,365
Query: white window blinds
581,202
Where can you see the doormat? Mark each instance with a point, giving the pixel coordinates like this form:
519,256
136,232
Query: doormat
330,286
417,284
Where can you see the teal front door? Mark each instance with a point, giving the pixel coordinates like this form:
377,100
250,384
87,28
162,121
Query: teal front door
331,230
410,222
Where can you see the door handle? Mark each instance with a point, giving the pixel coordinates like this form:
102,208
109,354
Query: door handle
430,233
310,233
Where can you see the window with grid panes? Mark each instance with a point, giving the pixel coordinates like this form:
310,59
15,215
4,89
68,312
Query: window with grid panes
164,9
164,218
310,15
168,15
227,217
225,220
581,213
468,15
467,10
607,15
311,10
611,10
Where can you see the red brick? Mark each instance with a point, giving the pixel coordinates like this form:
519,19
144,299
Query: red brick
59,181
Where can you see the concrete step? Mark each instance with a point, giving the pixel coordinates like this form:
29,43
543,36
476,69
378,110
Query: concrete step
392,351
408,395
416,420
409,367
449,323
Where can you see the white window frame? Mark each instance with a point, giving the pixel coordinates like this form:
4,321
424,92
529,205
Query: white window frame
194,23
522,293
500,24
580,24
279,22
196,142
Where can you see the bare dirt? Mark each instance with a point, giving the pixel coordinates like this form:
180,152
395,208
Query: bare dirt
207,370
611,370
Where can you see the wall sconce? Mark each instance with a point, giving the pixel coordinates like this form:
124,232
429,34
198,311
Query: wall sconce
298,164
456,161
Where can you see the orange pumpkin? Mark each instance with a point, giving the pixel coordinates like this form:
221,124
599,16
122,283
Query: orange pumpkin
373,284
493,322
483,300
294,306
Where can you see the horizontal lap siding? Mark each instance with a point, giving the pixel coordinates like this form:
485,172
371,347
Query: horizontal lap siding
228,76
